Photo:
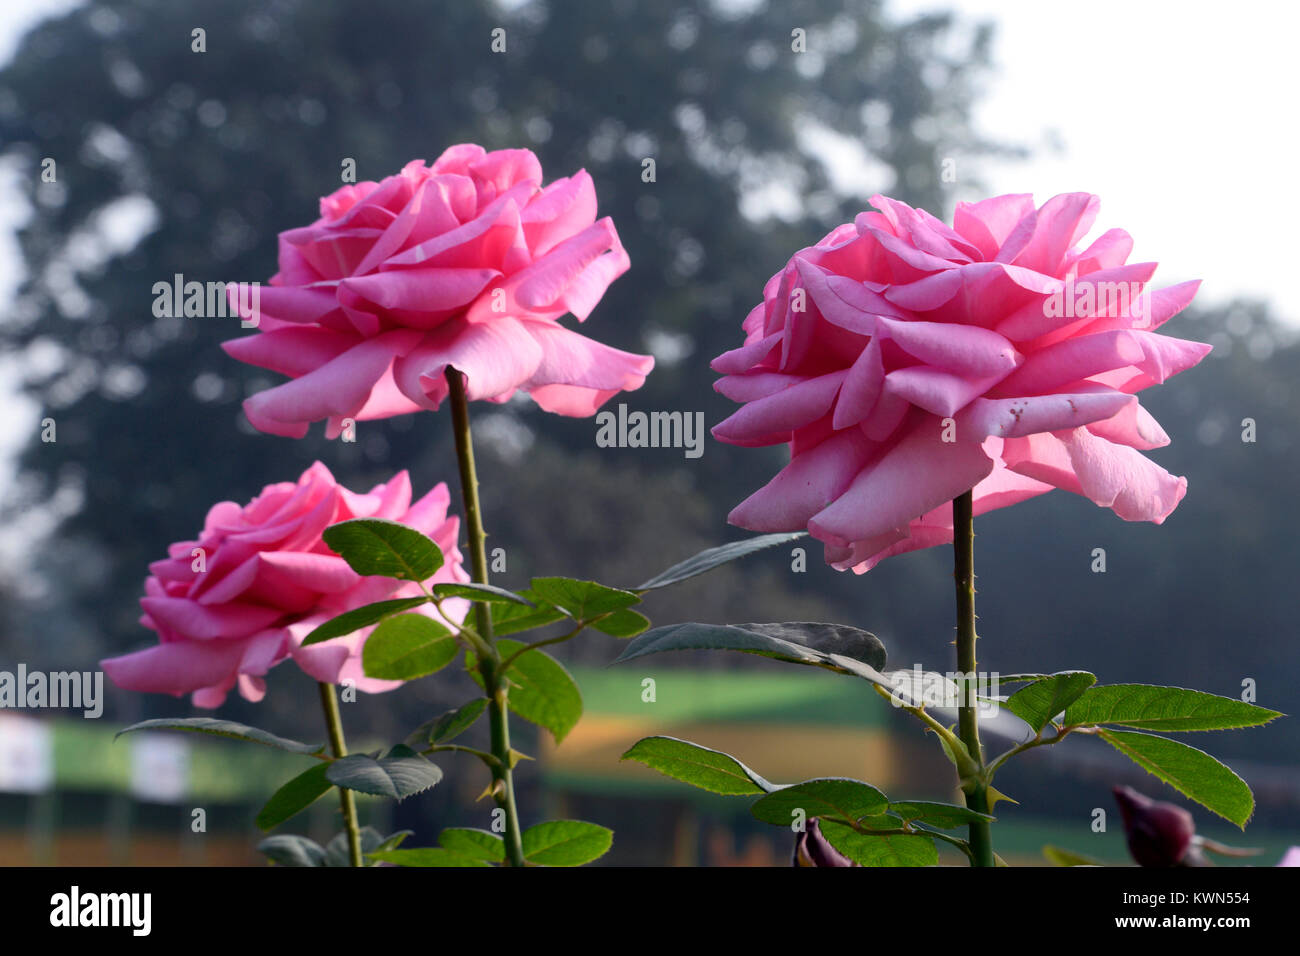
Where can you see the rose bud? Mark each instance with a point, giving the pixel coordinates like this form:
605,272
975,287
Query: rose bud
813,849
1159,833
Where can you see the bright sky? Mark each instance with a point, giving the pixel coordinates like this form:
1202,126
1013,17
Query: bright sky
1179,114
1176,112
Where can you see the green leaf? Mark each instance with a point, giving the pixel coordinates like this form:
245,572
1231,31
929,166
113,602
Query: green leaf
877,850
945,816
1038,703
224,728
881,821
831,640
566,843
406,647
797,642
1148,707
361,617
711,558
337,852
582,600
296,795
824,797
482,593
397,777
690,763
917,687
513,618
479,844
1021,678
426,856
955,750
374,546
1058,856
292,850
543,691
622,623
394,840
450,725
1193,773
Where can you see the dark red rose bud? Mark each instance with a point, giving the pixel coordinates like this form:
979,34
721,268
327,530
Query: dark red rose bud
1159,834
813,849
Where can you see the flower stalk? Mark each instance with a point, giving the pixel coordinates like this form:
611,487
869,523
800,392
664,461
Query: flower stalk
489,665
334,724
977,789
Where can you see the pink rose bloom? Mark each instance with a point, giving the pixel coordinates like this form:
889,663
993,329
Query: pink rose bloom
906,362
468,263
267,580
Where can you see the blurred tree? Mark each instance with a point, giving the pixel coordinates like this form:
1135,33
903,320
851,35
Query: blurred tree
204,156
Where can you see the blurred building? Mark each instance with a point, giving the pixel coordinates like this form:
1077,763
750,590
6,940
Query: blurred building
70,794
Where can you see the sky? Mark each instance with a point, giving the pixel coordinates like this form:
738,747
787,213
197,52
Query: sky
1175,112
1179,115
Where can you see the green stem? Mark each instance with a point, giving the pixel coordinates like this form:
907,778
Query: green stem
489,665
977,796
1037,741
912,831
483,755
339,748
552,640
958,843
919,713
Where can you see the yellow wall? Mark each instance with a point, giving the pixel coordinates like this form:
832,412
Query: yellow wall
779,752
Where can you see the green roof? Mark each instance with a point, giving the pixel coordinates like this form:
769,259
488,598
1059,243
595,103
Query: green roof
783,695
86,757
